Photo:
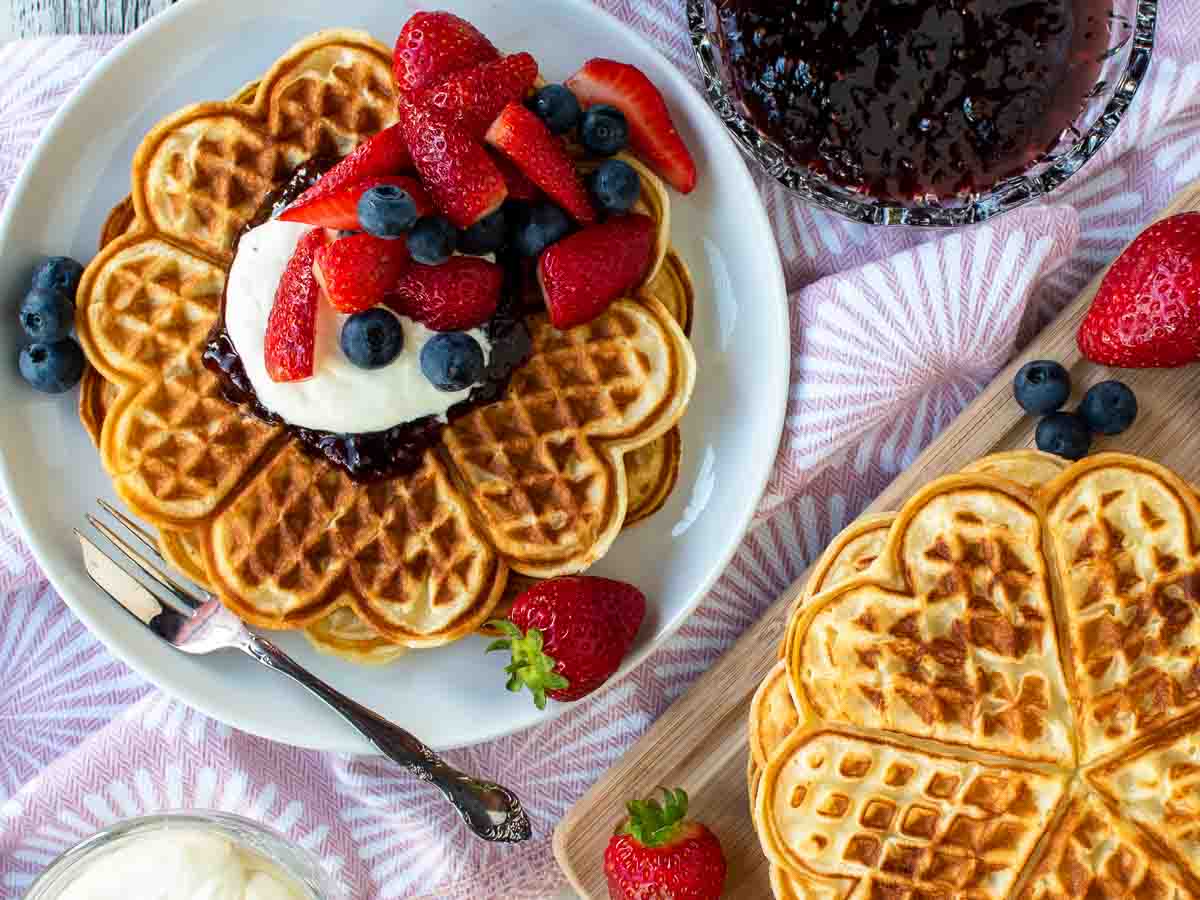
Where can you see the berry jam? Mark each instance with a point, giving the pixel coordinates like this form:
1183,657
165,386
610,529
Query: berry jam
907,99
375,455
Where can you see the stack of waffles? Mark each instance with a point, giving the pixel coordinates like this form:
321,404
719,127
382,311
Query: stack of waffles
994,692
584,442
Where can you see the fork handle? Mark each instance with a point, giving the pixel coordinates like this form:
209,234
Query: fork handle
490,810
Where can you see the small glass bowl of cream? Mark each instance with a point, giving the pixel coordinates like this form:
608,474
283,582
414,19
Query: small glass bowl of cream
193,854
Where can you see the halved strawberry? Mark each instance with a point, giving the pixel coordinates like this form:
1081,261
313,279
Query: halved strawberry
337,208
461,293
519,185
652,134
385,153
521,136
356,271
585,272
462,179
292,323
433,45
474,97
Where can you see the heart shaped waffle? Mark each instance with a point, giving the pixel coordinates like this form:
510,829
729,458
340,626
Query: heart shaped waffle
418,560
950,634
1088,738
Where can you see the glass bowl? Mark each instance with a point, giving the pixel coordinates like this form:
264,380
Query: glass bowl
1123,67
292,861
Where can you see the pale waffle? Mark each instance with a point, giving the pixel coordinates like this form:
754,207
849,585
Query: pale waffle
419,560
1027,623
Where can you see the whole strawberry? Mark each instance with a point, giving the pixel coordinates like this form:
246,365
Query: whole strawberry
568,635
1147,311
660,854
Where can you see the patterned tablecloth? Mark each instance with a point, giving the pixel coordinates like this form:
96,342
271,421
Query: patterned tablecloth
893,333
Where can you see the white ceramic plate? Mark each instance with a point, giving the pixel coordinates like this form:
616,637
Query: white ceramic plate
207,49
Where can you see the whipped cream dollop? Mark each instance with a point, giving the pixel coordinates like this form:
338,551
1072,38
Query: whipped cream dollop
339,397
181,865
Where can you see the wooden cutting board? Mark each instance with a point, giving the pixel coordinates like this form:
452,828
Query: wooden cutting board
699,744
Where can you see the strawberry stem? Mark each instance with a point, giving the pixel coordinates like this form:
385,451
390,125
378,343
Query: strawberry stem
654,824
531,667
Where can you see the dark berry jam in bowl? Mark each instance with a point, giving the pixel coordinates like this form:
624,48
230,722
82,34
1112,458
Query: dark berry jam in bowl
921,112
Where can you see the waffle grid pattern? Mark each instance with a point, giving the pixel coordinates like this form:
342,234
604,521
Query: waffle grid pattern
183,459
1118,818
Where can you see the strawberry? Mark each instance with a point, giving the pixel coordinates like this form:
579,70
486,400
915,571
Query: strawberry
433,45
292,323
357,271
659,853
518,183
1146,313
585,272
652,134
336,207
461,293
524,138
384,154
462,179
474,97
568,635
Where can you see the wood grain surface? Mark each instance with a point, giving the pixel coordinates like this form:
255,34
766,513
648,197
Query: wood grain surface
700,742
27,18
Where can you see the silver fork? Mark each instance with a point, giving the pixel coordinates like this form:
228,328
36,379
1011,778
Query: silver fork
194,621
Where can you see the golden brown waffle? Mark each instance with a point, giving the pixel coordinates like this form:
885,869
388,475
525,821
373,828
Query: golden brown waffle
948,635
301,539
1091,853
866,817
543,466
1157,784
936,623
186,461
1126,536
344,634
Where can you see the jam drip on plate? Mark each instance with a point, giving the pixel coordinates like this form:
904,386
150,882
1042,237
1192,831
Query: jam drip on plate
371,456
906,99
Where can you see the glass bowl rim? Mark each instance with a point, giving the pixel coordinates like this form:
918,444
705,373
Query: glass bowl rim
226,823
1003,197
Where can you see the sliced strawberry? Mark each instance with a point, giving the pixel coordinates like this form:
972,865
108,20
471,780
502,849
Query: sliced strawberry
384,154
652,134
433,45
292,323
337,208
357,271
521,136
461,293
585,272
474,97
462,179
519,185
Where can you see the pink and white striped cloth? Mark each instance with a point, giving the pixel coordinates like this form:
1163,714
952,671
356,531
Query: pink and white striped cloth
894,332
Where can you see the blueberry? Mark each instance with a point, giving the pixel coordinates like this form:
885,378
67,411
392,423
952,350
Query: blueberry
452,361
485,236
537,227
557,107
615,185
432,240
1065,435
604,130
59,273
386,211
52,368
46,315
372,338
1109,407
1042,386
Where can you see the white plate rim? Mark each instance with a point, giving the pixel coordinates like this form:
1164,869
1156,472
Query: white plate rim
775,286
